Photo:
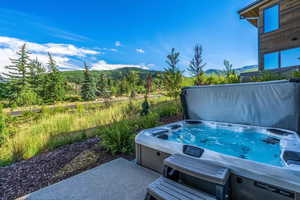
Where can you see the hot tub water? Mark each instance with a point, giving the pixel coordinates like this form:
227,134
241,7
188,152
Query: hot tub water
239,142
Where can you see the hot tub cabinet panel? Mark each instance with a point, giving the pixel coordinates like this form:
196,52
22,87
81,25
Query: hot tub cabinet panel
150,158
247,189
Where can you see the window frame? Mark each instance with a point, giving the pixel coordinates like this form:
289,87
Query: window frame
279,18
282,59
279,59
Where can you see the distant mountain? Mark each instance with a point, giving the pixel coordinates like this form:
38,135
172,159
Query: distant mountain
77,75
248,68
213,71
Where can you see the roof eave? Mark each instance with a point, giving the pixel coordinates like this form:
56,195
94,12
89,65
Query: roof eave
251,6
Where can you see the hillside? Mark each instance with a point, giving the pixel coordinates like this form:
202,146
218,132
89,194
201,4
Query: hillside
77,76
248,68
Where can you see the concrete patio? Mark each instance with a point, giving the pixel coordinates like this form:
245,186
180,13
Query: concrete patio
118,179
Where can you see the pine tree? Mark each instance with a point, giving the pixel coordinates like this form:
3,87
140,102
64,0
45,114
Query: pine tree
54,83
132,78
102,85
172,76
37,75
145,104
88,88
196,64
148,85
3,89
18,73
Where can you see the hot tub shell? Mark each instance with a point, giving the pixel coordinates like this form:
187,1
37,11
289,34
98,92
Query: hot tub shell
275,105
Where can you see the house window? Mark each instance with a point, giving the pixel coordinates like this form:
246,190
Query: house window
271,18
271,60
290,57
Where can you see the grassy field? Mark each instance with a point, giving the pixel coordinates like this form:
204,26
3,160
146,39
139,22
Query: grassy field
34,133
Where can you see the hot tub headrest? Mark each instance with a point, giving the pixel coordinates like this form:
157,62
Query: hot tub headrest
269,104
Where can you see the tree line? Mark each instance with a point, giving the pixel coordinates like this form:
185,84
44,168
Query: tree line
28,82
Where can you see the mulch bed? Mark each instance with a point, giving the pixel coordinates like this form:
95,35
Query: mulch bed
47,168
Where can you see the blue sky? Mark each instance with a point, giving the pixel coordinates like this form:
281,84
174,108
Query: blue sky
117,33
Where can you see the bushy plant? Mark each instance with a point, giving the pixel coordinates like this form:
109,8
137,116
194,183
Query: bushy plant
27,97
213,79
268,76
145,107
296,74
232,78
119,136
168,109
131,108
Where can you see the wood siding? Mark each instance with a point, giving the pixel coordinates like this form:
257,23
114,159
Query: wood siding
288,34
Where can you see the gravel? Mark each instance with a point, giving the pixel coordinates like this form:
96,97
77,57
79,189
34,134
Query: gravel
47,168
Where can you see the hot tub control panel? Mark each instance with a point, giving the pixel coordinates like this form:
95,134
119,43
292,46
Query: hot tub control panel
192,151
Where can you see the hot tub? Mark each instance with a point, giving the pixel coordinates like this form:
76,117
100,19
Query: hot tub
251,129
265,155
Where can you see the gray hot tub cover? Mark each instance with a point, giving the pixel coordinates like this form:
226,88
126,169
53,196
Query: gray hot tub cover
268,104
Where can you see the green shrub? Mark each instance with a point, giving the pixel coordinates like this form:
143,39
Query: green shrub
27,97
119,136
132,107
296,74
267,76
168,109
232,78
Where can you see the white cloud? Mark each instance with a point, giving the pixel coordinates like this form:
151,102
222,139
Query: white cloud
58,49
106,49
5,54
140,50
102,65
118,44
61,52
68,49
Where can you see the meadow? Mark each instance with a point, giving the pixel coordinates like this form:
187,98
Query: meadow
116,125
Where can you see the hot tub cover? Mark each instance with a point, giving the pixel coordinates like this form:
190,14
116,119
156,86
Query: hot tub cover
268,104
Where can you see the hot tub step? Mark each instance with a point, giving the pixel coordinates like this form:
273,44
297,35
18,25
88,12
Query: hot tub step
197,168
166,189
